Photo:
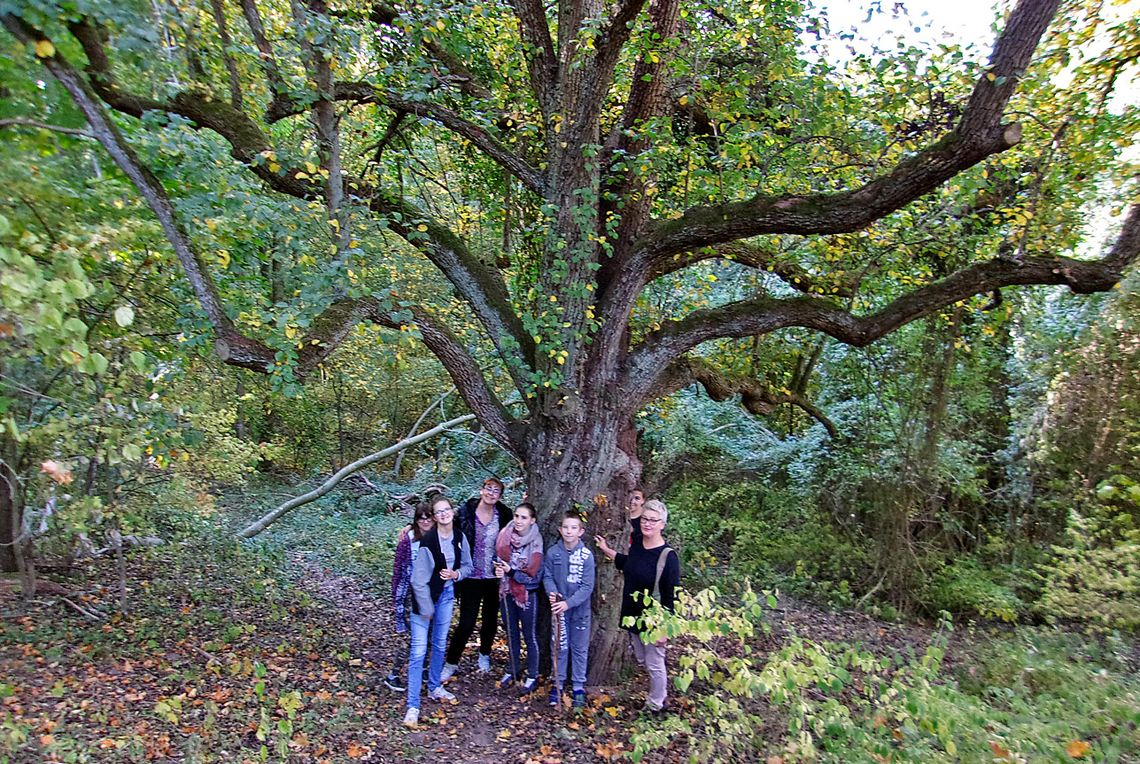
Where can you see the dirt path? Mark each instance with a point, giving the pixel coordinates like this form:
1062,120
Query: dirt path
486,724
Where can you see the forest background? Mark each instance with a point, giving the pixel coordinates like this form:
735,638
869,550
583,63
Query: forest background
198,324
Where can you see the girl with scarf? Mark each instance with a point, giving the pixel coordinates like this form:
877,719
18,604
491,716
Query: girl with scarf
519,568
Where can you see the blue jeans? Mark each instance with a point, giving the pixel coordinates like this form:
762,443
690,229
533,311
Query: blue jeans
513,614
438,624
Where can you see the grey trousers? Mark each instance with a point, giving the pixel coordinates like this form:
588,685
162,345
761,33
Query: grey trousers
573,645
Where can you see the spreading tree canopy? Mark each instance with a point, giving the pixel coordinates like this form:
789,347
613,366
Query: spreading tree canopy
545,194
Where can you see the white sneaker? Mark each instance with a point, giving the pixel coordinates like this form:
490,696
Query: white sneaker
412,717
449,670
441,693
484,664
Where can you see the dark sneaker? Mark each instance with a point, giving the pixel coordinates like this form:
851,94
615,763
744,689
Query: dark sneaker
555,696
394,683
506,681
527,687
579,698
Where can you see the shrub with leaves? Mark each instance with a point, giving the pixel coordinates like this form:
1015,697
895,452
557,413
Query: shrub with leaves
965,586
1023,697
1094,577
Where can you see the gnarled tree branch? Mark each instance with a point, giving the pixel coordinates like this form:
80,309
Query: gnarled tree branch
148,185
757,397
479,285
463,370
761,315
979,134
759,257
542,62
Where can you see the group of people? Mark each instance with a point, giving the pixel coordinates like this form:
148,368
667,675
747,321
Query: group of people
492,560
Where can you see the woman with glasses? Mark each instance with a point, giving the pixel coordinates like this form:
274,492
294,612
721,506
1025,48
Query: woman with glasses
406,550
480,520
518,566
443,559
651,569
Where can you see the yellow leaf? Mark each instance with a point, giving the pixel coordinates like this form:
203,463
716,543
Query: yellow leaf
421,227
312,168
440,25
44,49
1077,749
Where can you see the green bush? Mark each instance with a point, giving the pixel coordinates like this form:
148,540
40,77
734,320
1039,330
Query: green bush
1030,695
965,586
771,536
1094,578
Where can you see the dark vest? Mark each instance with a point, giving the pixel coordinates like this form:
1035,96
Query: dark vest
430,541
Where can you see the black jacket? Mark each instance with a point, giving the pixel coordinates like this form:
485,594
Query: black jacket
467,518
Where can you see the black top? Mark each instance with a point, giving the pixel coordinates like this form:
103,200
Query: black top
635,531
640,570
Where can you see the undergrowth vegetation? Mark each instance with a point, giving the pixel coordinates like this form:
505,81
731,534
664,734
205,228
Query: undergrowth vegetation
218,658
1034,695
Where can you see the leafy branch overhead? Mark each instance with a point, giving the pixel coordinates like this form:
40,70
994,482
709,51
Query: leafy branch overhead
552,164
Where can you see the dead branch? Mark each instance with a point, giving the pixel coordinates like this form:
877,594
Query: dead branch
257,527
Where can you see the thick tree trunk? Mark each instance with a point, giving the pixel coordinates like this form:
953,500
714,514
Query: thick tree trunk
591,470
11,513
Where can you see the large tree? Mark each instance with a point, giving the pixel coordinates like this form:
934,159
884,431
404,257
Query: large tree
557,164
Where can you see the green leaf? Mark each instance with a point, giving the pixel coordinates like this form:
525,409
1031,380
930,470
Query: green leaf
94,364
138,361
125,315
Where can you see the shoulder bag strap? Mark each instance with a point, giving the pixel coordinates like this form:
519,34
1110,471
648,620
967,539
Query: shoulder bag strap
661,560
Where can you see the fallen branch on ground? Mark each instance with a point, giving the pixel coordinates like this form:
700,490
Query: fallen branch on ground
257,527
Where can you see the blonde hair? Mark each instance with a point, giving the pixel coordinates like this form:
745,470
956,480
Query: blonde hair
657,506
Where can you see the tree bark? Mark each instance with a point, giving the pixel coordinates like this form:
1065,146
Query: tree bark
11,513
591,470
